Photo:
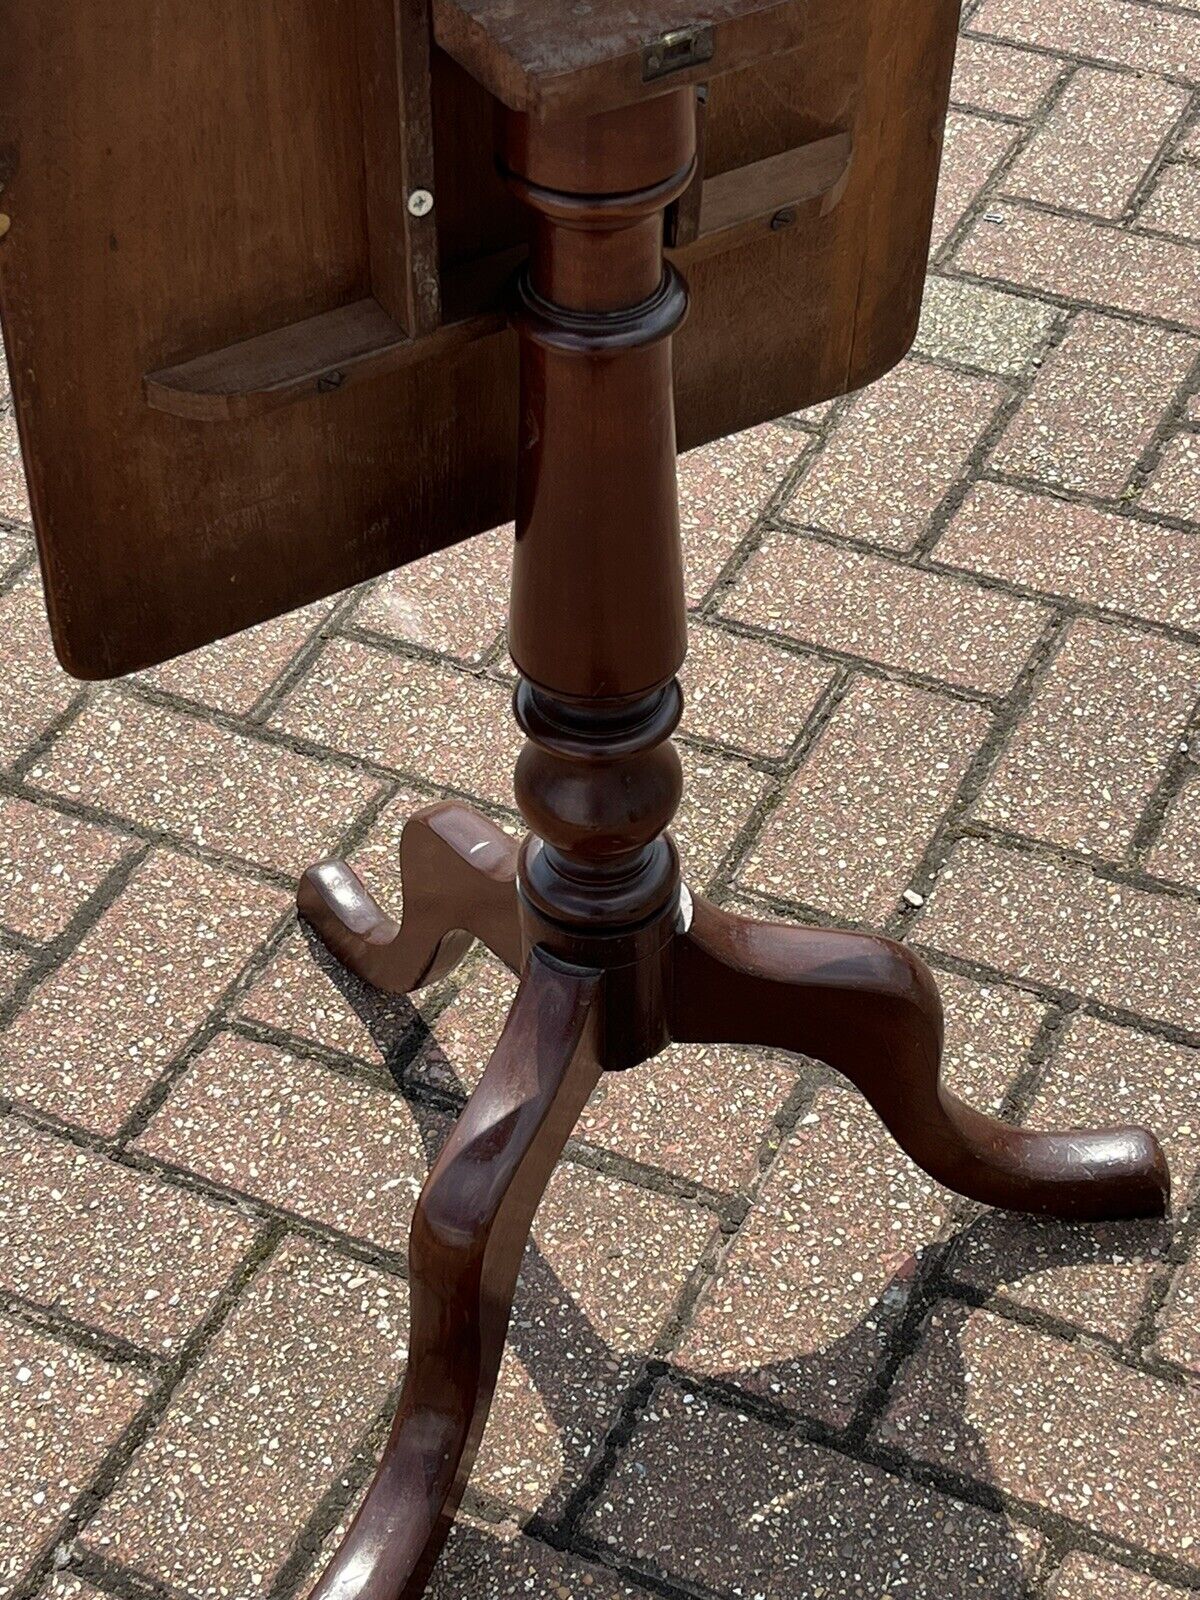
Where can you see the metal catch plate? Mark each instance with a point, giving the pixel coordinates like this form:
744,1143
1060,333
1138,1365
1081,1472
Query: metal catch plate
686,47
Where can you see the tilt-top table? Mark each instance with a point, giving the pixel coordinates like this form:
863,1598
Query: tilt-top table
259,286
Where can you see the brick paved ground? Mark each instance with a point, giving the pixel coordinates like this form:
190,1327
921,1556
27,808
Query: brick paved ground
944,680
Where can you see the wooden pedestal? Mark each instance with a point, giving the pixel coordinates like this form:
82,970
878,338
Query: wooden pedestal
616,958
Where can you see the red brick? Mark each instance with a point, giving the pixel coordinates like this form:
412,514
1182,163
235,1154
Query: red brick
97,1032
1095,146
234,674
1095,740
1174,204
1084,260
14,499
300,1136
1145,37
725,1502
719,795
34,689
1073,550
454,602
857,816
995,77
746,694
868,606
891,457
724,488
1177,853
1055,1423
440,724
600,1284
259,1430
204,784
1175,487
702,1114
1094,1277
1082,1577
49,866
61,1411
111,1247
974,147
1056,924
1096,404
500,1563
1179,1321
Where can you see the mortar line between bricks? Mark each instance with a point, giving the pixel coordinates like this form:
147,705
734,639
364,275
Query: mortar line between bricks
91,1498
1113,506
1164,430
118,1581
973,578
295,668
980,768
1177,769
1001,167
1019,389
751,832
80,1334
1146,185
1076,58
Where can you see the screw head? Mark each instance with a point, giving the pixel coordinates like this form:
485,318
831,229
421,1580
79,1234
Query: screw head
420,202
782,219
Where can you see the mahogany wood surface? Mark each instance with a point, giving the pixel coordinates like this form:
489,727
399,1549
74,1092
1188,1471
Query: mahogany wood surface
241,173
869,1007
621,960
469,1232
460,884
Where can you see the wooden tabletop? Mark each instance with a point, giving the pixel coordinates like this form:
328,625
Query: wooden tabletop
572,59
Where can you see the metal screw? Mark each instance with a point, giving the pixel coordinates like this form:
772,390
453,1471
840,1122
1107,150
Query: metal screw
782,219
420,202
329,381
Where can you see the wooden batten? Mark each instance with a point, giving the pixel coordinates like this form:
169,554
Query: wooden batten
365,340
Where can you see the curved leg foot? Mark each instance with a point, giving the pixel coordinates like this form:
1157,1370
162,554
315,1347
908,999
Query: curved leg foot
459,874
468,1236
869,1007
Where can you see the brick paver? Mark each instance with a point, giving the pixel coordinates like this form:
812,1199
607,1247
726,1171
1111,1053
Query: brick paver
890,458
1002,1403
1077,552
1095,740
852,826
62,1410
1064,927
1095,405
1081,260
897,615
1092,151
945,680
112,1248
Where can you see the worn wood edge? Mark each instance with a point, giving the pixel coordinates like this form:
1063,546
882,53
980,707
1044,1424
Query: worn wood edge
604,85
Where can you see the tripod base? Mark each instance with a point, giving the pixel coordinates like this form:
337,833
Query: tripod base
861,1003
